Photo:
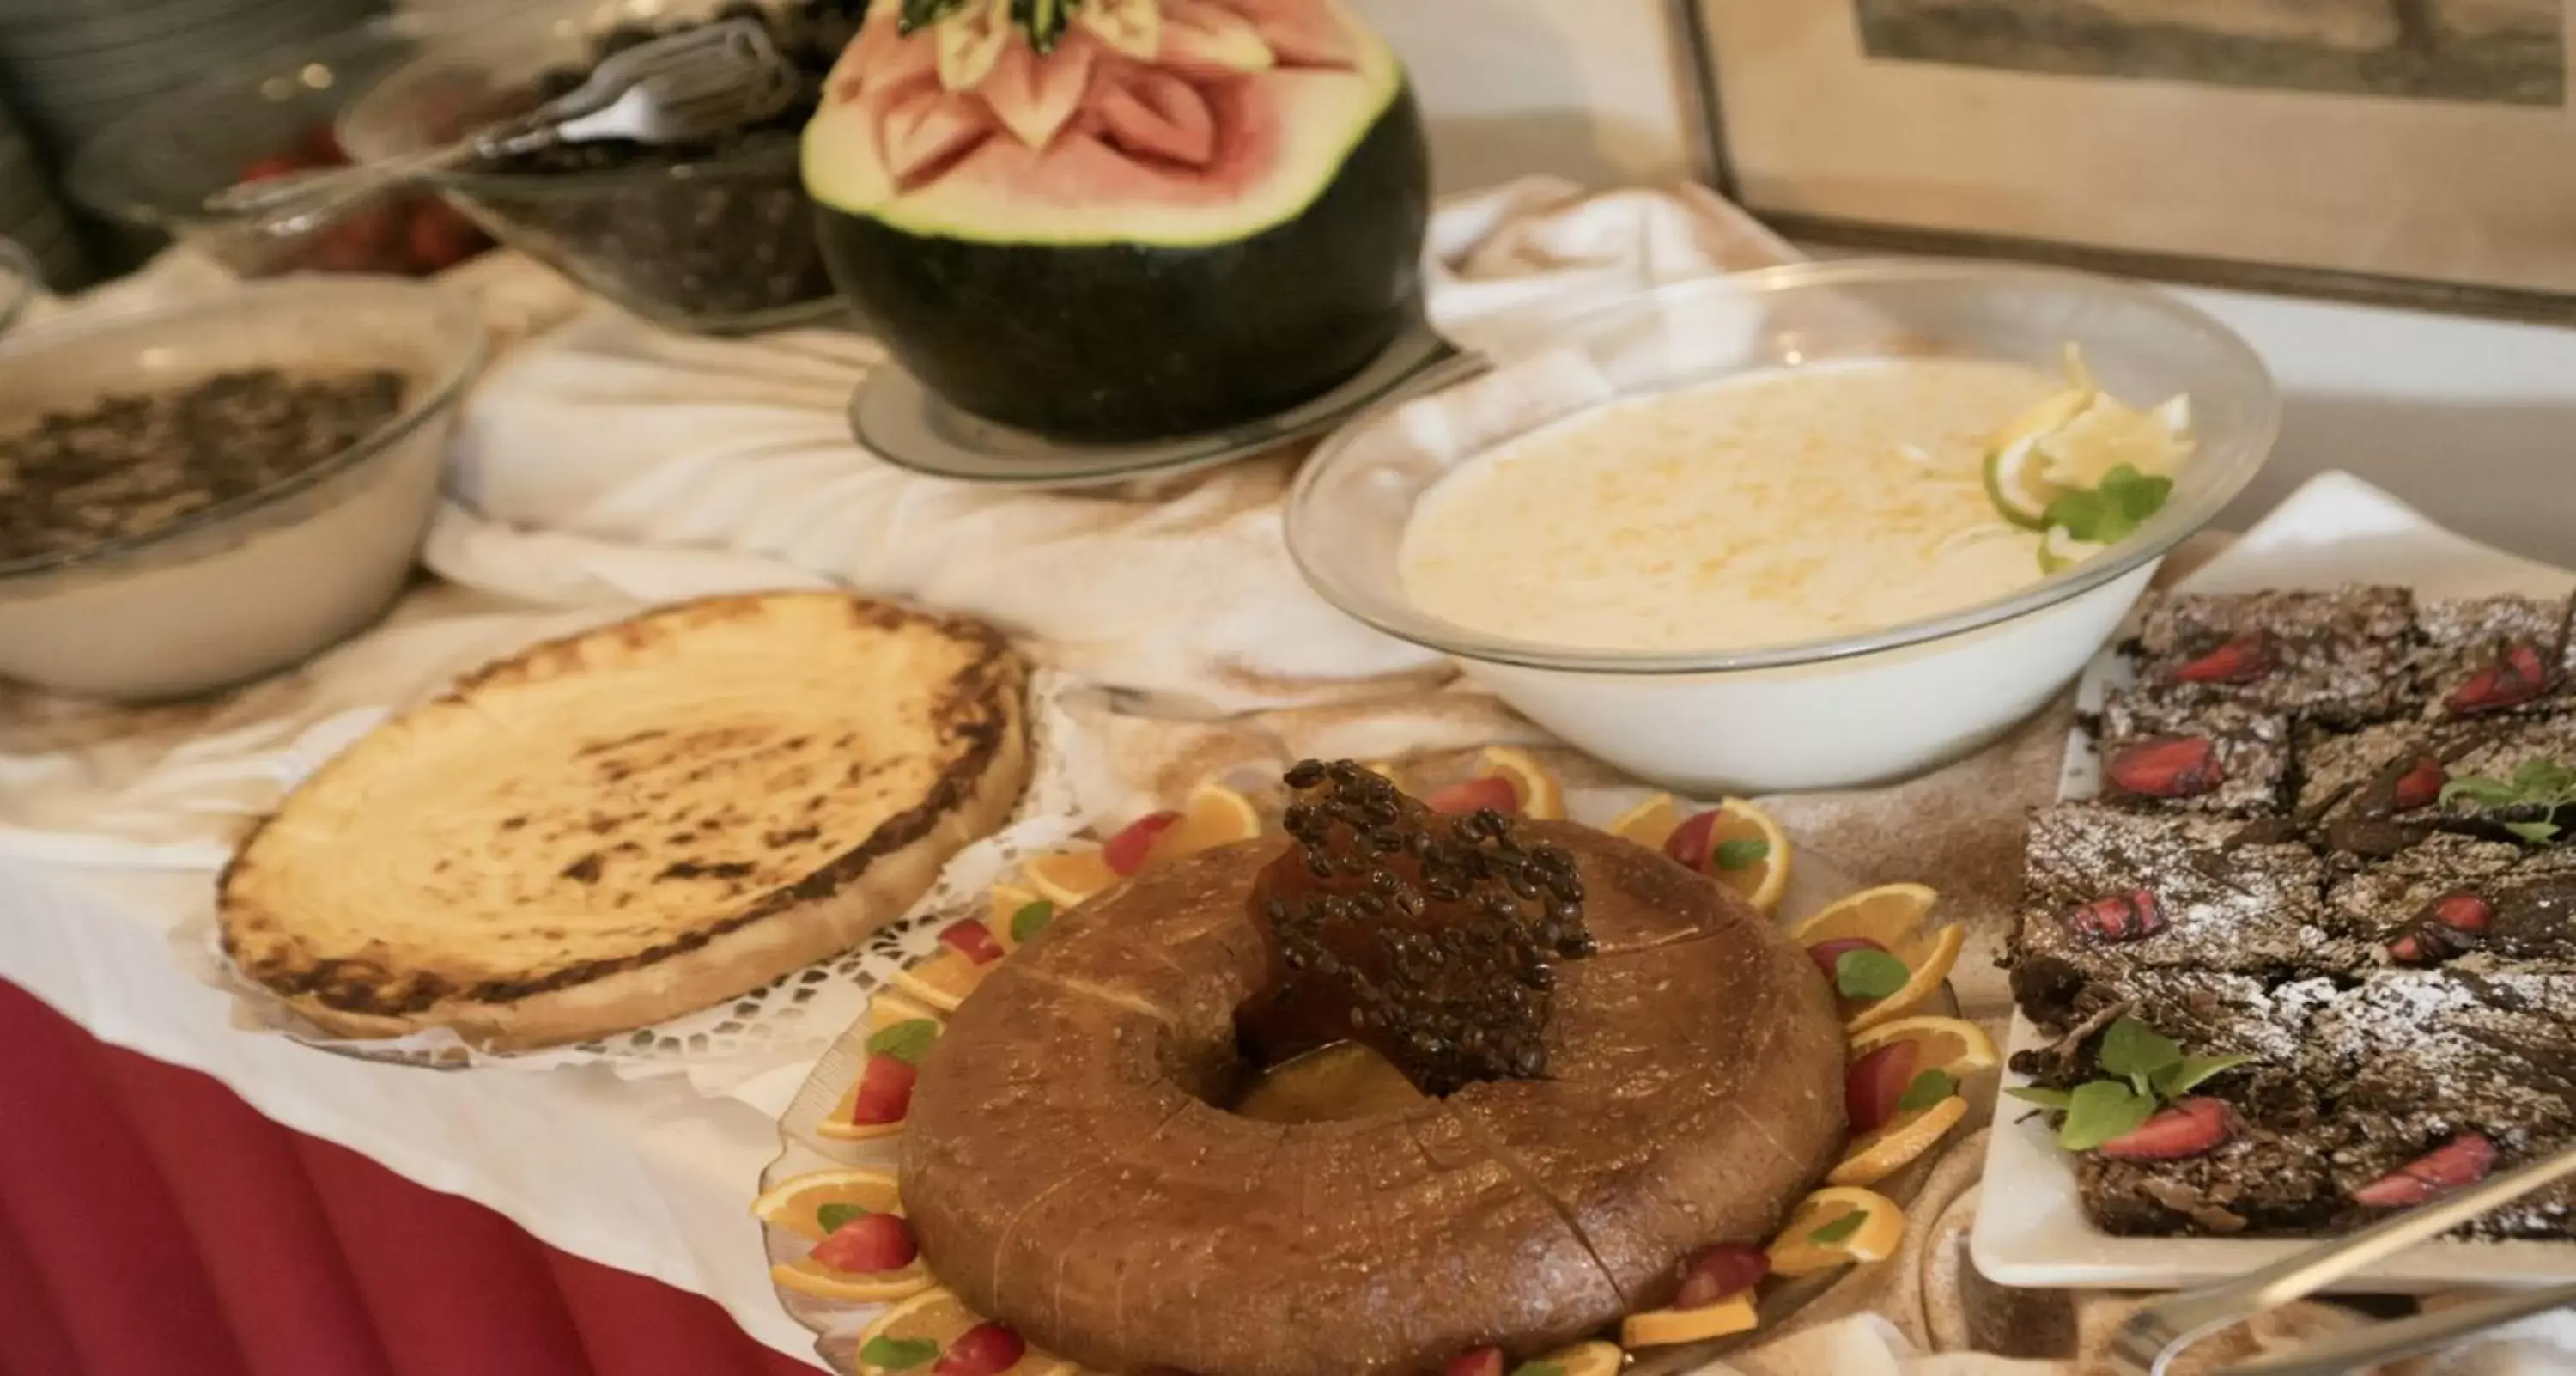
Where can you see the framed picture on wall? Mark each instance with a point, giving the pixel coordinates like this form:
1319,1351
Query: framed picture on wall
2421,150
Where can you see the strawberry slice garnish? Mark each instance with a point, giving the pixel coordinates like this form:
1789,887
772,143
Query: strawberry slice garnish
1874,1084
1492,792
1479,1361
1717,1272
1125,853
987,1349
1689,843
2189,1128
885,1092
971,939
2464,1160
868,1245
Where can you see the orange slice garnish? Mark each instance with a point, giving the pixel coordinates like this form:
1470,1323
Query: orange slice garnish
1928,959
1066,878
1872,1157
1214,815
938,1317
805,1276
1541,798
1890,915
944,980
1649,823
1584,1359
1749,853
796,1206
1837,1226
1668,1327
1954,1046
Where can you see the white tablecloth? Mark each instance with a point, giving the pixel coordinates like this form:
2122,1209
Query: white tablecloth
652,1178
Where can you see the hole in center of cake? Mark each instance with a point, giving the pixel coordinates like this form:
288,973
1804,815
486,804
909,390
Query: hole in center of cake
1428,942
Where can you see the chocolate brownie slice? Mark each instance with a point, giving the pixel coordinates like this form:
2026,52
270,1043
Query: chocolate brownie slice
2202,757
2108,890
2486,656
2273,1174
2503,755
2378,790
2338,657
2410,1062
2421,906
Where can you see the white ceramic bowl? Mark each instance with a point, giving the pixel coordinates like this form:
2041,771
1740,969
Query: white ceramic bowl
257,583
1820,714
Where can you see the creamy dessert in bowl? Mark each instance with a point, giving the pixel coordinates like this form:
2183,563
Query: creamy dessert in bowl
1809,527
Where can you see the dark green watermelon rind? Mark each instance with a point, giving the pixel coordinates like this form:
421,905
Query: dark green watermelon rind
1133,341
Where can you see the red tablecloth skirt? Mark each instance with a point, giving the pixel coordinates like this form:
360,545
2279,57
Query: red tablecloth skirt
152,1224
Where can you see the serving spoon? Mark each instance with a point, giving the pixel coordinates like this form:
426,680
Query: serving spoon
679,87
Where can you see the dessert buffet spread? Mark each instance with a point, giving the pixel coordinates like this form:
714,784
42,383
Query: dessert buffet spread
1423,1083
2305,958
605,832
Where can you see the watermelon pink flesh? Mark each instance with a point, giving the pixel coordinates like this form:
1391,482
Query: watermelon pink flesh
1089,127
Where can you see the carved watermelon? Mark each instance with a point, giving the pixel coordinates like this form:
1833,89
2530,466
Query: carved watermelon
1122,219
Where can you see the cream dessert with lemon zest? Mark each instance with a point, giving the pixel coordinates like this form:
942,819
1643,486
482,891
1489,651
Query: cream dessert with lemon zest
1791,505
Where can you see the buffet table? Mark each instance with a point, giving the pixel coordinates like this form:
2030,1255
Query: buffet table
304,1246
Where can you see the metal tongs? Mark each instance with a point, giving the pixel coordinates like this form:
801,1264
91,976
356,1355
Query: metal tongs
693,84
2156,1334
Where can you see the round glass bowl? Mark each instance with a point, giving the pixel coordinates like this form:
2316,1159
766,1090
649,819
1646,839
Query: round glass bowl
152,171
252,585
721,245
1826,713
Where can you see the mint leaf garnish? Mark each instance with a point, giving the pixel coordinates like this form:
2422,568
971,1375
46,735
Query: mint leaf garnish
834,1217
2101,1110
907,1041
1929,1088
2113,511
2057,1099
2185,1075
1869,974
898,1354
1031,919
2543,784
2137,1053
1742,855
1538,1369
1838,1230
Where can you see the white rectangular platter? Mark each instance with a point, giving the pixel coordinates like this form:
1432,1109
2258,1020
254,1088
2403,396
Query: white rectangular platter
2030,1228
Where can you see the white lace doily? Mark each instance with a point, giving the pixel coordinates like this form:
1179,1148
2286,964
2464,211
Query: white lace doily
792,1020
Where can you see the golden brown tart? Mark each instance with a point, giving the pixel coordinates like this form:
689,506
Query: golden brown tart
607,831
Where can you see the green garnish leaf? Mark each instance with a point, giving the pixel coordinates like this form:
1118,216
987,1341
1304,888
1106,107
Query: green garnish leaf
2057,1099
2113,511
1042,20
2138,1053
907,1041
1929,1088
1031,919
898,1354
2543,784
1743,854
1869,974
1538,1369
2187,1074
2101,1110
1838,1230
835,1217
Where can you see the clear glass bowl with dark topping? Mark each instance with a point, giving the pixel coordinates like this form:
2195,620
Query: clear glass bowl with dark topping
717,238
187,587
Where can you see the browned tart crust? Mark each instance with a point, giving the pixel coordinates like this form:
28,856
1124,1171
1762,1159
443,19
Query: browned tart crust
1070,1170
607,831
